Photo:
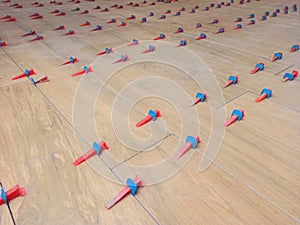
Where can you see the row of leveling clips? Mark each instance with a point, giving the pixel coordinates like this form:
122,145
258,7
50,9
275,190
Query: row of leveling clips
123,58
151,48
231,79
265,16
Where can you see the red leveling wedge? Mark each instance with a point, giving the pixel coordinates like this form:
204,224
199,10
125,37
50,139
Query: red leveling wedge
151,48
160,37
11,194
179,30
294,48
131,187
112,20
152,115
104,10
258,67
265,93
38,17
5,17
2,43
37,38
123,58
200,97
71,60
236,114
277,56
12,19
98,27
34,14
96,150
231,80
25,74
167,12
122,24
215,21
70,32
190,142
55,11
290,76
134,42
198,25
238,26
201,36
182,43
86,23
31,32
85,12
106,51
61,14
60,27
18,6
132,17
220,30
85,70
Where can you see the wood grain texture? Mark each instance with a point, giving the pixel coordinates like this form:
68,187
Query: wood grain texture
255,178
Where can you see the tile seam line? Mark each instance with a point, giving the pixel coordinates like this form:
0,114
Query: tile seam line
232,99
141,151
247,90
84,139
277,102
295,219
286,68
271,136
